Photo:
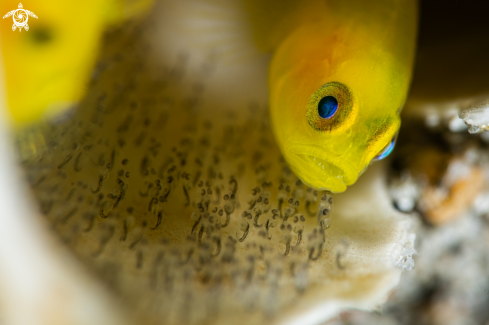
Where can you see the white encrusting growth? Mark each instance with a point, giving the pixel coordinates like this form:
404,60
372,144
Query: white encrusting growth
405,260
476,115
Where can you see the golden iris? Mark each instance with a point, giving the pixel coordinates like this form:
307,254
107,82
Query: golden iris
336,117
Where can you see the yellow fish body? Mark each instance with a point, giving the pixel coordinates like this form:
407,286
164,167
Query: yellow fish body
338,79
47,66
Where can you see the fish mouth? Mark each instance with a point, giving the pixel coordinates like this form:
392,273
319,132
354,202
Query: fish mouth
320,173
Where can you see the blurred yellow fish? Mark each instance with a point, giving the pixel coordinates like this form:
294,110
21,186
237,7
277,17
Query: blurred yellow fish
48,66
339,77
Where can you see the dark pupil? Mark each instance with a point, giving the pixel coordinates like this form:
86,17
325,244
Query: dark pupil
327,106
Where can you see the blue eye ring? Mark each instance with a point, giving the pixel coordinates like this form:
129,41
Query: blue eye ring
387,150
327,106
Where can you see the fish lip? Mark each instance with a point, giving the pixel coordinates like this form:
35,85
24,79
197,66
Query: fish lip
298,153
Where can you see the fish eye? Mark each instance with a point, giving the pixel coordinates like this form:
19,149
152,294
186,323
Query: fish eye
327,106
331,107
41,35
387,150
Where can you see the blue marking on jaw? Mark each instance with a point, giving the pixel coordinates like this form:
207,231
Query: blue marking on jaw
387,150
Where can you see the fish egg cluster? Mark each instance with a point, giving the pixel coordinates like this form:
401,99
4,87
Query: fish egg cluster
190,215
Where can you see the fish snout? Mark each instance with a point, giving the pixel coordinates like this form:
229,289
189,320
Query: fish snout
320,171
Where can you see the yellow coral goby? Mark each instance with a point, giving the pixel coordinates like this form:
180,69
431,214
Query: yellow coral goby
48,66
339,76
